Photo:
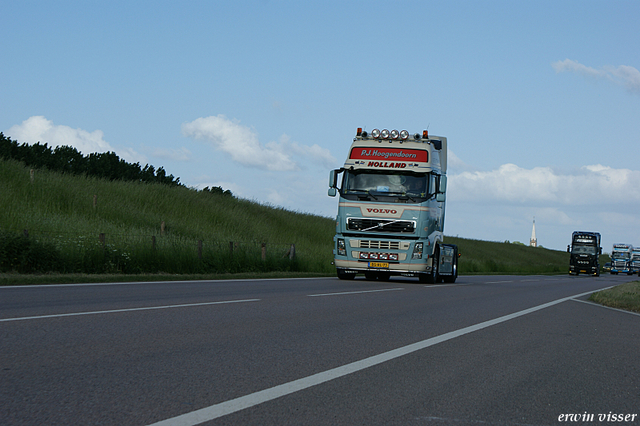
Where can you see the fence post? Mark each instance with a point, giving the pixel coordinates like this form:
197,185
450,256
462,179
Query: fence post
200,249
292,251
162,228
264,251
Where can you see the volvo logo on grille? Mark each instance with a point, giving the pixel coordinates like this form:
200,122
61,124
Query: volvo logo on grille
390,211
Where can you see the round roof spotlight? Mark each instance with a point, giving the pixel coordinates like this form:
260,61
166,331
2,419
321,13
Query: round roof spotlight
417,136
404,135
375,133
384,134
365,134
394,134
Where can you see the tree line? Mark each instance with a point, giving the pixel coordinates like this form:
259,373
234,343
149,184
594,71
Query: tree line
68,159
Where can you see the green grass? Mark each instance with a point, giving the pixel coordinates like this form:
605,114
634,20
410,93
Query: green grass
624,296
486,257
154,231
59,215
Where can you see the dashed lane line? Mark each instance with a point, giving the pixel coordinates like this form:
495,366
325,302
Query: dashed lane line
147,308
343,293
234,405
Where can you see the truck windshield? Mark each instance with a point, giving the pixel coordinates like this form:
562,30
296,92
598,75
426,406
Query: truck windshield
620,255
405,187
583,249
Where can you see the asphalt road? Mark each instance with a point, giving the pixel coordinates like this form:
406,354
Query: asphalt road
488,350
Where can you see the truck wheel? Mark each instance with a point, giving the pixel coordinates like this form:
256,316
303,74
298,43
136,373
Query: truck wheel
452,278
344,275
371,276
384,276
432,277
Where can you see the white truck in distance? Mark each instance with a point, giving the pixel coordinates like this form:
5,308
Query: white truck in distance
391,209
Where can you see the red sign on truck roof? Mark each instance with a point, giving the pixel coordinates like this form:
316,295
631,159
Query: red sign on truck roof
397,154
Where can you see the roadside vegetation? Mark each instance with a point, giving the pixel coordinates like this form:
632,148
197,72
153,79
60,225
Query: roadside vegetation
69,227
624,296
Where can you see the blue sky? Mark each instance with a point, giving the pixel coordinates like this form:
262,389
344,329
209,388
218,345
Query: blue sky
539,100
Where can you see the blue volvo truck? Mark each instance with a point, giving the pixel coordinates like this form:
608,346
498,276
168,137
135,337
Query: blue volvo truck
391,209
621,259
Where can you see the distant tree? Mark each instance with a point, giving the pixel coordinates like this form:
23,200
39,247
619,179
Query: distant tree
67,159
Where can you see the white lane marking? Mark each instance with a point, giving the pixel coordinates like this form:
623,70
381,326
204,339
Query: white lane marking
444,285
497,282
157,282
354,292
234,405
606,307
148,308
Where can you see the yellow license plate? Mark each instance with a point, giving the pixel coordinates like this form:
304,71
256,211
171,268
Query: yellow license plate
378,264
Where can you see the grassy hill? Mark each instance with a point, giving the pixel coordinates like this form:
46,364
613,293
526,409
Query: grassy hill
77,224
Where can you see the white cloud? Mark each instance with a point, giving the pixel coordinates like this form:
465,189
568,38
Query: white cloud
242,144
544,186
624,75
38,129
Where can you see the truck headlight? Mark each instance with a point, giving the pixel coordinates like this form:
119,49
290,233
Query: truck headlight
342,251
417,251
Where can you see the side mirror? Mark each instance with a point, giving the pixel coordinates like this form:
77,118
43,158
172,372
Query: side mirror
333,182
568,249
443,184
333,177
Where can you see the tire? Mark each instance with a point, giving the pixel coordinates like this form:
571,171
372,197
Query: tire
432,277
384,276
370,276
452,278
344,275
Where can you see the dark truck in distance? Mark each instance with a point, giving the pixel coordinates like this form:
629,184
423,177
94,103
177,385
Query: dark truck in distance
585,253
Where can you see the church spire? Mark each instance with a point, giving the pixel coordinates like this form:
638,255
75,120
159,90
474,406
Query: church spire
533,242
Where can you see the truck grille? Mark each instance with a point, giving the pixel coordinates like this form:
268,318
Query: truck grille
381,225
385,245
620,264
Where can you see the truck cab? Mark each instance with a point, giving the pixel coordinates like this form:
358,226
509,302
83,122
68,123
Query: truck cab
391,208
635,260
585,252
621,259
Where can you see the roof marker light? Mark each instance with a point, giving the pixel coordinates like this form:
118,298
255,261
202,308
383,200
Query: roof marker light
384,134
417,136
404,135
425,134
375,133
394,134
359,132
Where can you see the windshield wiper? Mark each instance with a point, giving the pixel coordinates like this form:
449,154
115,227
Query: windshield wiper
402,194
362,191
